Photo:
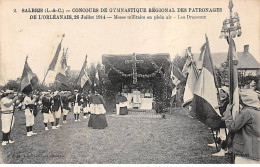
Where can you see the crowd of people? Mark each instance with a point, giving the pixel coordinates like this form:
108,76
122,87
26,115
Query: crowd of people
52,104
239,136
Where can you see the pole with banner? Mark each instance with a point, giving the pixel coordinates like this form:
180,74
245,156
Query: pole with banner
230,29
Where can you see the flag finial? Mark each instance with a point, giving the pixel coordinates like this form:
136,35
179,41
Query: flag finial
206,37
230,5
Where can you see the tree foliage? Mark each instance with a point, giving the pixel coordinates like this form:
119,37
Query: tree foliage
179,61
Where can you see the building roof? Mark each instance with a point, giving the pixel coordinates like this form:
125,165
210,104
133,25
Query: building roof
245,60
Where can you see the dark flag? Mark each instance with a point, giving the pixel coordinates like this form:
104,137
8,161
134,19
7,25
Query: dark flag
56,56
205,94
176,78
28,80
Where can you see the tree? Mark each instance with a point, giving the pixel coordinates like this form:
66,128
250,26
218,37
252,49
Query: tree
13,85
179,61
222,76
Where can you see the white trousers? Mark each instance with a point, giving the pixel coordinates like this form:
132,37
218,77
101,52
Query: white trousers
6,122
76,108
86,109
65,112
222,134
29,117
58,113
48,117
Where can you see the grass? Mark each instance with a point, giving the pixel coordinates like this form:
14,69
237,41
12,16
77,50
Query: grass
127,140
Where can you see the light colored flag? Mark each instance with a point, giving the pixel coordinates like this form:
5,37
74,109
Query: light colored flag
96,80
56,56
83,78
176,78
205,93
233,79
192,78
60,69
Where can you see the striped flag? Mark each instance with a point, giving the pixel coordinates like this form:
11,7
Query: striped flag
83,78
176,78
233,79
192,78
205,93
60,69
56,56
28,80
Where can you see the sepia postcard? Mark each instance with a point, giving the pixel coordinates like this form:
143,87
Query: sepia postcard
106,81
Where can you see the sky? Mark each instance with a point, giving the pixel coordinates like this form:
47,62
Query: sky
20,36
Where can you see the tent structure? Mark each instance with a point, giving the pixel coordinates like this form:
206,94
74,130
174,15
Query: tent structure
147,73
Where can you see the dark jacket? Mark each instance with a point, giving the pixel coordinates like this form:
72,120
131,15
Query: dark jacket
65,102
78,99
247,130
97,99
57,103
85,100
72,98
46,105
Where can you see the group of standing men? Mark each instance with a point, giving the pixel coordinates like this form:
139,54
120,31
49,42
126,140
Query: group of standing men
51,104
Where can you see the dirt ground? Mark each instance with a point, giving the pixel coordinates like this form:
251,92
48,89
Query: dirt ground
129,139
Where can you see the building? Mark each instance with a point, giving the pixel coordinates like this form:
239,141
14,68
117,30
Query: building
247,63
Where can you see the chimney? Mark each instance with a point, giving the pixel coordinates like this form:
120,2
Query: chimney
246,48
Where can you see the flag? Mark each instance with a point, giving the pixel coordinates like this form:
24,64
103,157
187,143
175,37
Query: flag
96,80
28,80
175,78
187,64
233,79
192,78
205,93
56,56
60,69
83,78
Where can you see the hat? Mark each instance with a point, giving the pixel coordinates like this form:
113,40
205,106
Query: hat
226,89
249,98
75,90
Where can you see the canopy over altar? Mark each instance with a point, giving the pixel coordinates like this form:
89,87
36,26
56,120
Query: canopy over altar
143,78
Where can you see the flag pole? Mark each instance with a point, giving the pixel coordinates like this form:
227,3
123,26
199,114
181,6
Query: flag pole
15,103
231,28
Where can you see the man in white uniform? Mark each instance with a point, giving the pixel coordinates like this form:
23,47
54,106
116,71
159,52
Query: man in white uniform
29,101
7,117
